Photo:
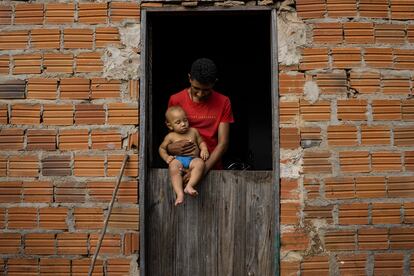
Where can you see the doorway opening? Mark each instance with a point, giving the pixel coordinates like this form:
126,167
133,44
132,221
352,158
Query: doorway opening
239,43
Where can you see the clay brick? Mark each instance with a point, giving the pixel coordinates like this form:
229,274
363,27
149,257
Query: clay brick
78,38
403,136
289,268
40,244
311,9
29,14
386,213
115,163
133,140
332,83
359,32
54,114
89,114
354,161
70,192
74,89
118,266
375,135
133,87
401,238
106,139
378,57
74,139
289,138
58,63
10,191
27,64
56,166
104,89
80,267
124,218
289,188
316,162
339,188
410,33
294,241
401,186
4,64
2,222
88,218
11,139
372,239
311,188
72,243
402,9
38,191
41,139
318,111
291,84
131,243
111,243
22,218
12,89
26,267
346,57
408,212
327,33
102,191
59,13
53,218
341,8
315,265
386,161
93,13
41,88
122,114
352,110
14,40
390,33
395,85
124,10
409,160
318,213
365,82
107,36
310,133
404,59
25,114
373,9
289,213
89,165
23,166
89,62
3,166
344,135
289,111
352,264
389,264
407,110
354,213
370,187
340,240
45,39
3,114
10,244
5,15
387,110
54,267
314,58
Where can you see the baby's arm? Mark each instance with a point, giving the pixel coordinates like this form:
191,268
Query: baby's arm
204,154
163,150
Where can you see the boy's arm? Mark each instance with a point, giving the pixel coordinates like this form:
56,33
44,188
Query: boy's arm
221,148
163,150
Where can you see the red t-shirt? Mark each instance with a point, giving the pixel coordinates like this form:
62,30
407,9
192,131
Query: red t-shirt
205,116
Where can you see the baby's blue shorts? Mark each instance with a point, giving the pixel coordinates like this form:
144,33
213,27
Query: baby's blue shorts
185,160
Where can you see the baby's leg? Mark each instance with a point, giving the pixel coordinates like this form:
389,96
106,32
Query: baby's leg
197,168
175,167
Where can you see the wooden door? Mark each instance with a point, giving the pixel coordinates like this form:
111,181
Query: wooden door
227,230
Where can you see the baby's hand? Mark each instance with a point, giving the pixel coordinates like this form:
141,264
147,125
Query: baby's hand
204,154
169,159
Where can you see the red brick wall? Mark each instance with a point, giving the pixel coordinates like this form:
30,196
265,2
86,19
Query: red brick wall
349,210
64,128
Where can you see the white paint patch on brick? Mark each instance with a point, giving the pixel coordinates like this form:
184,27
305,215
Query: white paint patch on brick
311,91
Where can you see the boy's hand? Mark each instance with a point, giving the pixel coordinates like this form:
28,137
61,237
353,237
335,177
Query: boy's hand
204,154
182,147
169,159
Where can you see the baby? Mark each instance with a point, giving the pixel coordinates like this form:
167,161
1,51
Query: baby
177,122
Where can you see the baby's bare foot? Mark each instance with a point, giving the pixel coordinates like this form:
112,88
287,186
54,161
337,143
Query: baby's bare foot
179,200
190,190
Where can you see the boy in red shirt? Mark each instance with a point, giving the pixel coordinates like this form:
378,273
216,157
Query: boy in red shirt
207,110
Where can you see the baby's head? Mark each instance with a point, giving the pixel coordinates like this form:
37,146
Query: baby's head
176,119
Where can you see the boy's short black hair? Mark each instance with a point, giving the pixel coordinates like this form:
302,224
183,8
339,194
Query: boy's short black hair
204,71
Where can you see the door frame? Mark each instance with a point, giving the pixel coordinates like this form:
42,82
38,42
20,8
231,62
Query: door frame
144,128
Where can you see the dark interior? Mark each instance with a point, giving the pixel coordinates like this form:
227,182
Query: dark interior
239,44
